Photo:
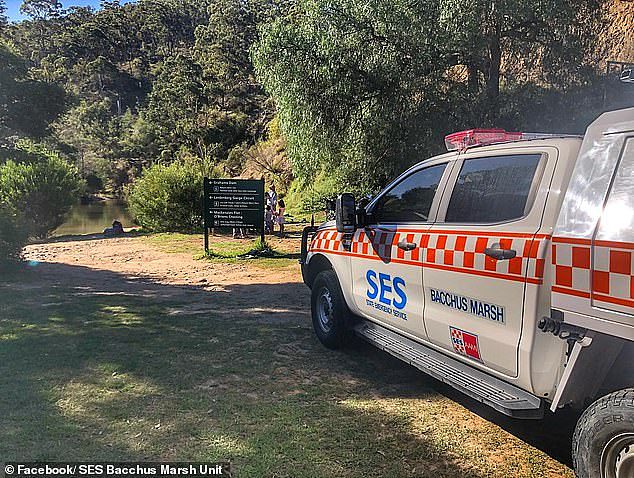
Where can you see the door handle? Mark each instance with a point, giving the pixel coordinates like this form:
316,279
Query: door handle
406,246
496,252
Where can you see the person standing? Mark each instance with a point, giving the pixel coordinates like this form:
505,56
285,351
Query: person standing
271,202
280,216
268,220
271,198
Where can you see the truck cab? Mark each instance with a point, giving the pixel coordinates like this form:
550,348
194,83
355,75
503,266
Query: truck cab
502,268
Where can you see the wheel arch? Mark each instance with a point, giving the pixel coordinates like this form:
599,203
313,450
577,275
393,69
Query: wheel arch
317,263
607,359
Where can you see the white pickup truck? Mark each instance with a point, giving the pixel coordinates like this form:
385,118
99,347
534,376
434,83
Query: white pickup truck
504,268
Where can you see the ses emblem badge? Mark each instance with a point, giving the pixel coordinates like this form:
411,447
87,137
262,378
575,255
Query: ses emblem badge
465,343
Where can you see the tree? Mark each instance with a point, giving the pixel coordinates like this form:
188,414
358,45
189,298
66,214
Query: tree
543,41
3,17
183,115
88,130
40,10
223,45
168,198
147,80
357,86
27,106
176,101
362,89
223,48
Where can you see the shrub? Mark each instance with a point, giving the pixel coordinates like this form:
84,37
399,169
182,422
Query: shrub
40,191
169,198
306,197
12,237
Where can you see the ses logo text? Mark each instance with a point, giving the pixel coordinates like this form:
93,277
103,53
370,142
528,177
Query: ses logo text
386,293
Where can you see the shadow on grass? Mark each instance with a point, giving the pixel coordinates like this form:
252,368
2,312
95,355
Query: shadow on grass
96,365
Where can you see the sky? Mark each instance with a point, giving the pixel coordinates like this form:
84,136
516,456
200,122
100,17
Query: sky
13,6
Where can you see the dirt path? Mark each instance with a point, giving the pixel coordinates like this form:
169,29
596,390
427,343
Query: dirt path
137,257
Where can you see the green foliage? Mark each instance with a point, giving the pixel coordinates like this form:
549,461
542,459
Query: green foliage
182,114
222,49
13,236
95,137
148,80
169,198
351,81
3,17
177,88
39,193
41,9
361,89
364,90
27,106
305,197
543,42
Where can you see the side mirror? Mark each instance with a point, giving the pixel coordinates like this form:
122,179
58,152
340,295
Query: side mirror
346,213
363,219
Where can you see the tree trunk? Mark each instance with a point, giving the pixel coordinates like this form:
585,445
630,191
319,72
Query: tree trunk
473,82
493,76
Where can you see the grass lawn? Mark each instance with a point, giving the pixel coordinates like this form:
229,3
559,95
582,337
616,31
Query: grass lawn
223,250
95,365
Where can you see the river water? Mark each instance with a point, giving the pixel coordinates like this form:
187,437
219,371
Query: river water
95,217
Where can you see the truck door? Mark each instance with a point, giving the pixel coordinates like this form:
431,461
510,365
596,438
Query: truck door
482,252
387,255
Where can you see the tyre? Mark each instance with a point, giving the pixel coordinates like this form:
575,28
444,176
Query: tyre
329,310
603,443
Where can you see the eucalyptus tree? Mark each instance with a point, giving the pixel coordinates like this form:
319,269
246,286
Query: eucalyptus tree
41,9
222,48
42,14
3,16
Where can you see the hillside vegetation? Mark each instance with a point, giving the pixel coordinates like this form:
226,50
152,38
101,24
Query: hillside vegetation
316,95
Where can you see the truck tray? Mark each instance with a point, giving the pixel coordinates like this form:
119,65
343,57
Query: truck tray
502,396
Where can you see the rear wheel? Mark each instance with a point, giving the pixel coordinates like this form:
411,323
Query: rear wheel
603,443
329,310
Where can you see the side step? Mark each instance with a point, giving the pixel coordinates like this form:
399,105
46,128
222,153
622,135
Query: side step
504,397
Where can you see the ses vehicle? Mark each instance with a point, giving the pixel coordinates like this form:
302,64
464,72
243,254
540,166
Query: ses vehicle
505,269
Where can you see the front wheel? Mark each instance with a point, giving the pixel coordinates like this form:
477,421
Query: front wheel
329,310
603,443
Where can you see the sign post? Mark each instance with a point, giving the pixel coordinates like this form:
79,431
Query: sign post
233,203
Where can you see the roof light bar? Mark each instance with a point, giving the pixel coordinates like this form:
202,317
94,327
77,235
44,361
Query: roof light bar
462,140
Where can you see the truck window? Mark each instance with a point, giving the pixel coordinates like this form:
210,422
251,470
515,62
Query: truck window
618,215
410,200
611,279
492,189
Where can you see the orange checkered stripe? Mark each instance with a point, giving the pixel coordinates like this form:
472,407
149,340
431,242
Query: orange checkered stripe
456,251
611,280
